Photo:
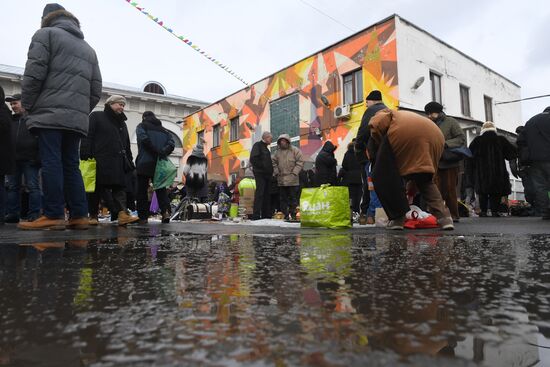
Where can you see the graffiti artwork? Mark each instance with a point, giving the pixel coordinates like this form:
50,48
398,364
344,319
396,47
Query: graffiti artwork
304,96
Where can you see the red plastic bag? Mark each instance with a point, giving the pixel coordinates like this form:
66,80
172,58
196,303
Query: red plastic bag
418,223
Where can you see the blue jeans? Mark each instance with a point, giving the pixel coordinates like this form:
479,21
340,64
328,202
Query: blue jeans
374,203
31,173
61,177
540,176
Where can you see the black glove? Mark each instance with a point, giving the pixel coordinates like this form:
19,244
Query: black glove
150,147
165,152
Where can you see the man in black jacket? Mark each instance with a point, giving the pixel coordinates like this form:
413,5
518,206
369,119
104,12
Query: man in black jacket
325,165
260,159
61,86
27,166
108,142
374,104
534,150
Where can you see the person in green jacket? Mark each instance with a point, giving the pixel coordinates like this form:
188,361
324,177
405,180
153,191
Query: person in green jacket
446,178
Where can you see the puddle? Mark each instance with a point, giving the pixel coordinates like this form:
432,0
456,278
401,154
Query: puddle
331,300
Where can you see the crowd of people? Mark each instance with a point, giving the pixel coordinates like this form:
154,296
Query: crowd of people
398,158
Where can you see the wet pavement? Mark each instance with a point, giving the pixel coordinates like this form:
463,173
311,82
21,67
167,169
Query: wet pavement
151,296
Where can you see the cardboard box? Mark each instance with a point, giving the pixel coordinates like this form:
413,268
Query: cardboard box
246,200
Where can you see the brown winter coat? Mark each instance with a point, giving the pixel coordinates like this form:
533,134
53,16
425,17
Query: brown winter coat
415,140
287,164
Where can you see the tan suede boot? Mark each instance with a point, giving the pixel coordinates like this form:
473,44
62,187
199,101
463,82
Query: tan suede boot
125,218
43,223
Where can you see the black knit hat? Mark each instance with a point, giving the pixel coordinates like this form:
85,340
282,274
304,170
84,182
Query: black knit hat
433,107
50,8
375,95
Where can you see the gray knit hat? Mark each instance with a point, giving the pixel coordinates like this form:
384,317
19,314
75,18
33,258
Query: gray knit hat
198,150
115,98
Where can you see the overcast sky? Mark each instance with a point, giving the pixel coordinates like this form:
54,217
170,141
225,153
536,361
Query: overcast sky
256,37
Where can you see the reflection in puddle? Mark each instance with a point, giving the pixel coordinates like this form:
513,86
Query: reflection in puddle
294,300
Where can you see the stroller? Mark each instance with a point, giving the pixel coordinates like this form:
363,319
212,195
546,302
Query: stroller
191,208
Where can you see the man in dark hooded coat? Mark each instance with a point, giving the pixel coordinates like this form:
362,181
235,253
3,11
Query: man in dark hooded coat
154,142
325,165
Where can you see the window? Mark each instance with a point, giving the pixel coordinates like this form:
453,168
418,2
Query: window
177,140
200,136
488,103
353,87
284,114
216,136
435,80
465,100
154,88
234,129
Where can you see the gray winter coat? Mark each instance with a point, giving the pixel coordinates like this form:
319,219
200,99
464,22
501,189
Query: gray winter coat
62,82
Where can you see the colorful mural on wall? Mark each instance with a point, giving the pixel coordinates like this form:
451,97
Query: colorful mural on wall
373,50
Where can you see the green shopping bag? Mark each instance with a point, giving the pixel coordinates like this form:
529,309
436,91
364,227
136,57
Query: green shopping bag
327,257
88,171
165,172
325,206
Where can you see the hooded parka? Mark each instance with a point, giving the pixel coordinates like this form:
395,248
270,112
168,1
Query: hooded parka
153,141
62,82
287,163
325,165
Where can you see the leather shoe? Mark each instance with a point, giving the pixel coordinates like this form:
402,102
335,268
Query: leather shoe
78,223
43,223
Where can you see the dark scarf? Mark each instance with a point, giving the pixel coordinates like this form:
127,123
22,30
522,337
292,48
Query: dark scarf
119,118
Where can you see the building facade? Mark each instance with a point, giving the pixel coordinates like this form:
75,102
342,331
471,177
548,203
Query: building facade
321,97
170,109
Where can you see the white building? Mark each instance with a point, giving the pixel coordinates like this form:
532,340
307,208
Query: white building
170,109
430,69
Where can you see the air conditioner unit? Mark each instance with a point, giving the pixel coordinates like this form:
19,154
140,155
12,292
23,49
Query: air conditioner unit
244,164
343,111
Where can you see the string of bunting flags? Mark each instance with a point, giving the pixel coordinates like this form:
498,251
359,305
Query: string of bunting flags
185,40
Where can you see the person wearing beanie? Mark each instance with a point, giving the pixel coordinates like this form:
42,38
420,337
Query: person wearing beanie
534,145
446,178
364,144
154,142
115,98
108,142
195,172
61,85
488,171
